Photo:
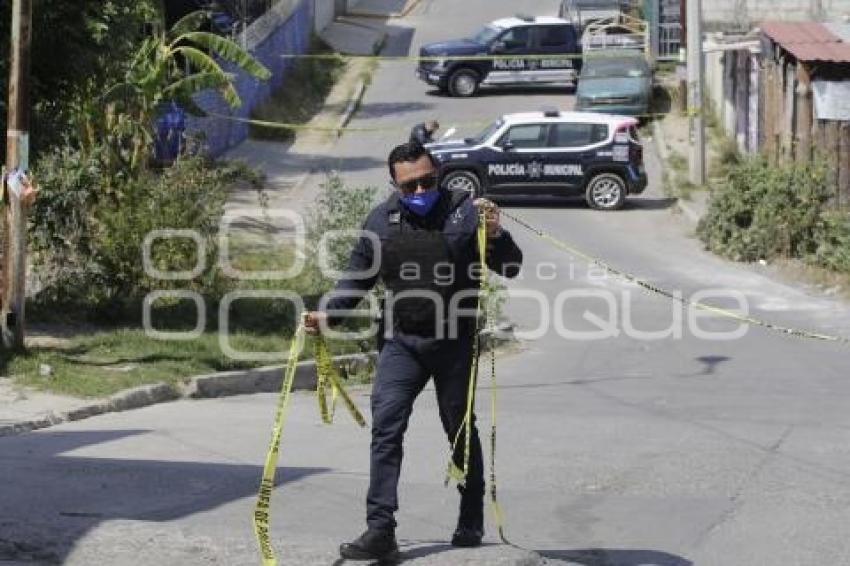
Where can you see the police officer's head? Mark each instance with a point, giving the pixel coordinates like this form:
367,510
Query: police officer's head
432,126
412,168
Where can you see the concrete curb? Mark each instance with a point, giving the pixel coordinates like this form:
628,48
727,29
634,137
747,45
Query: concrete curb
267,379
660,142
664,151
411,4
223,384
688,210
123,401
351,108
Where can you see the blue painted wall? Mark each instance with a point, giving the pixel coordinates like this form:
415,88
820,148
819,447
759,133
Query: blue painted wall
292,37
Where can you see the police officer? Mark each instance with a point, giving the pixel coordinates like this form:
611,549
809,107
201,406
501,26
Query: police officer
424,226
424,132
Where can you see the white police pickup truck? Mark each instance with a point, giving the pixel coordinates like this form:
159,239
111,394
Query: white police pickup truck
512,51
550,153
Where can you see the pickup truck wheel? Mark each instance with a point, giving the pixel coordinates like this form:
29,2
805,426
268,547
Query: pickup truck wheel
606,191
463,181
463,83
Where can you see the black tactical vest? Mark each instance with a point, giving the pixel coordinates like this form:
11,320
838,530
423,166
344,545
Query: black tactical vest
415,263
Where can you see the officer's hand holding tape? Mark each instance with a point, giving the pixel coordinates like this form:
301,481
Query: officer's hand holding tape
491,216
314,321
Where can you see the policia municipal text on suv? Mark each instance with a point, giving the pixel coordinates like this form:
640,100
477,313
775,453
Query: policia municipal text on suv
430,228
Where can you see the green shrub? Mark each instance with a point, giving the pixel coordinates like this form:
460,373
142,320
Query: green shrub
337,208
832,237
765,211
87,231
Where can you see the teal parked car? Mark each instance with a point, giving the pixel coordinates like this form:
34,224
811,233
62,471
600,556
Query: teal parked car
615,82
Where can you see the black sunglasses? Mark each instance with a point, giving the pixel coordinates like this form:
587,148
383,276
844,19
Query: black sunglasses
427,182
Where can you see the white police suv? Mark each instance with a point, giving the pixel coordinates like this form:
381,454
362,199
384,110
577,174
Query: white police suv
550,153
522,50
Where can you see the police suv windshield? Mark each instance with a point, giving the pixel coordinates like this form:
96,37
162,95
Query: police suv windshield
487,132
487,34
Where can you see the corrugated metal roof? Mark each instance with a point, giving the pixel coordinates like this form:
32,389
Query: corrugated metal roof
809,41
820,52
786,33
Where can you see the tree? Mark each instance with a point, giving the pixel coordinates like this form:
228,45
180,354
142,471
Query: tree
77,47
168,66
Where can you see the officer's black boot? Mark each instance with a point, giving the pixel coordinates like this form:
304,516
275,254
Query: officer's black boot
470,524
373,544
467,535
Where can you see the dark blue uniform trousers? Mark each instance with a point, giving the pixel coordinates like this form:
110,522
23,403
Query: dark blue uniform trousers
405,364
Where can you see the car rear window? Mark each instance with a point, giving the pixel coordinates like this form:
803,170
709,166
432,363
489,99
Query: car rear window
578,135
605,67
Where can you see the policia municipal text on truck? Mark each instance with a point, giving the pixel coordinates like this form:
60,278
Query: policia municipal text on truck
507,52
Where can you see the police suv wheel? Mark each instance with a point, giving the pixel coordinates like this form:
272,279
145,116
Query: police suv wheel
463,181
606,191
463,83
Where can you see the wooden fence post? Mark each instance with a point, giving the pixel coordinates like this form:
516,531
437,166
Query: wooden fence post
805,110
844,166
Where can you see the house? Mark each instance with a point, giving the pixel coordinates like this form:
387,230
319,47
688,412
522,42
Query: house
784,90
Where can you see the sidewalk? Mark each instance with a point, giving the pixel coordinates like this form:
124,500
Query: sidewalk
288,166
23,405
672,138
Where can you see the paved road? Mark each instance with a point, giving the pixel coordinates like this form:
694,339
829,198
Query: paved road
620,451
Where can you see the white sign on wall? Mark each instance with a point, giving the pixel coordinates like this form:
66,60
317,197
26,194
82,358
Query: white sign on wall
832,100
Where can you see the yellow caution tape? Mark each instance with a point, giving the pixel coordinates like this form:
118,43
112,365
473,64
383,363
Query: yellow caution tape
453,471
428,58
725,313
327,374
309,127
388,128
262,507
498,515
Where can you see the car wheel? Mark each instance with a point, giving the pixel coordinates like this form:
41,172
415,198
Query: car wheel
606,191
463,181
463,83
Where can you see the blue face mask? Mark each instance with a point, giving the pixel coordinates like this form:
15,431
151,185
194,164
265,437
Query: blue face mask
421,203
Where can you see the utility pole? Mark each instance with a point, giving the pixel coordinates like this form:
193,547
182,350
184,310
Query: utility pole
681,70
17,159
696,110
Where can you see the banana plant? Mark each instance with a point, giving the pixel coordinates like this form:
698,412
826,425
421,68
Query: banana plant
171,66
